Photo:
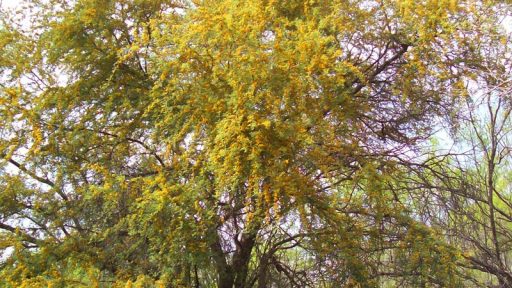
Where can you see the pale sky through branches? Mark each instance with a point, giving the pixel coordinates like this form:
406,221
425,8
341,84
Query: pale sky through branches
10,3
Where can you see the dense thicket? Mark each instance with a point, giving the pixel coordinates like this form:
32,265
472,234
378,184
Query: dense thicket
161,143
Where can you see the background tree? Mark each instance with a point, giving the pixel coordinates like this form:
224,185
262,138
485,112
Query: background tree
466,191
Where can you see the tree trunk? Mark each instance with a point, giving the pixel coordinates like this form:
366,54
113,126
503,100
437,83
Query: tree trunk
234,274
225,277
242,258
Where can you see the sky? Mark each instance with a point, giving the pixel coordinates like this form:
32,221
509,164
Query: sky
9,3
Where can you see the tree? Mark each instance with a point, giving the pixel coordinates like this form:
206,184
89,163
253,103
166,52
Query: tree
224,143
467,189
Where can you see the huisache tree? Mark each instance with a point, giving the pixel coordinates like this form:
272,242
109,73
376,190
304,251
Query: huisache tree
224,143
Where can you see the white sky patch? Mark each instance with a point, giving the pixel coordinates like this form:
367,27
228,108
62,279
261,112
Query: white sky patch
10,3
507,23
